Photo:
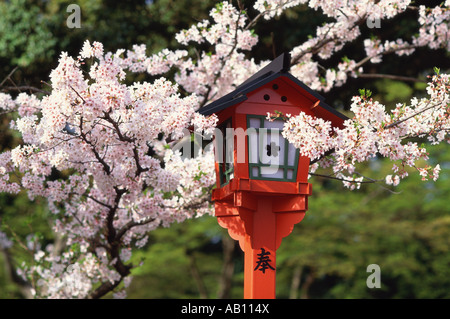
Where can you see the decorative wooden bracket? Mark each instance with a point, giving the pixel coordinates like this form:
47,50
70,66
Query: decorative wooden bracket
259,222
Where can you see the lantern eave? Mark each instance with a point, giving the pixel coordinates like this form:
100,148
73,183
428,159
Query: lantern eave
273,71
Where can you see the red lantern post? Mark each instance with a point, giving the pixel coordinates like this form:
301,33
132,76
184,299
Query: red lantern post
262,189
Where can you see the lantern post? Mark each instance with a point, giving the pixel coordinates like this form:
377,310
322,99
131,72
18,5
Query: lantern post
262,190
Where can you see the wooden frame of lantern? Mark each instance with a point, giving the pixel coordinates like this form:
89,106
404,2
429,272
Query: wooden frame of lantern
258,208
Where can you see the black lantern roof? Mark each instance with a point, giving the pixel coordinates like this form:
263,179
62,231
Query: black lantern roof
277,68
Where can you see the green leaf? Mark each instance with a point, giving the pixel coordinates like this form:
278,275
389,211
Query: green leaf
365,93
437,70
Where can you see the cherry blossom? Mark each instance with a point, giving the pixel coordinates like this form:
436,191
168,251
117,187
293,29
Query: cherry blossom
373,131
102,130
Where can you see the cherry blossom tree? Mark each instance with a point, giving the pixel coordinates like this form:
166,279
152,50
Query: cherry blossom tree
114,144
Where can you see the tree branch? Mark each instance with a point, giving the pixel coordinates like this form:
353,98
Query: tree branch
25,286
104,289
390,76
228,248
98,202
370,181
9,76
83,136
411,116
124,138
195,272
23,88
130,225
113,248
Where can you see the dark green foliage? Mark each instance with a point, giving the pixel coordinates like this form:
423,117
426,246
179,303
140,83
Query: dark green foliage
25,35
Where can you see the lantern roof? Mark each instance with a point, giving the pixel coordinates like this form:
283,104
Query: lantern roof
276,69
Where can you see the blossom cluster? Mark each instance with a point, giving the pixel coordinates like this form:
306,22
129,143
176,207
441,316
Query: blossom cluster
214,73
349,17
211,73
373,131
311,135
103,130
272,8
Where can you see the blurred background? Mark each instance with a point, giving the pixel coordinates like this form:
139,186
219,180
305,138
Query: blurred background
403,230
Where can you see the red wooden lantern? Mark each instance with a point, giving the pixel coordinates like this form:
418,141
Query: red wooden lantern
262,188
